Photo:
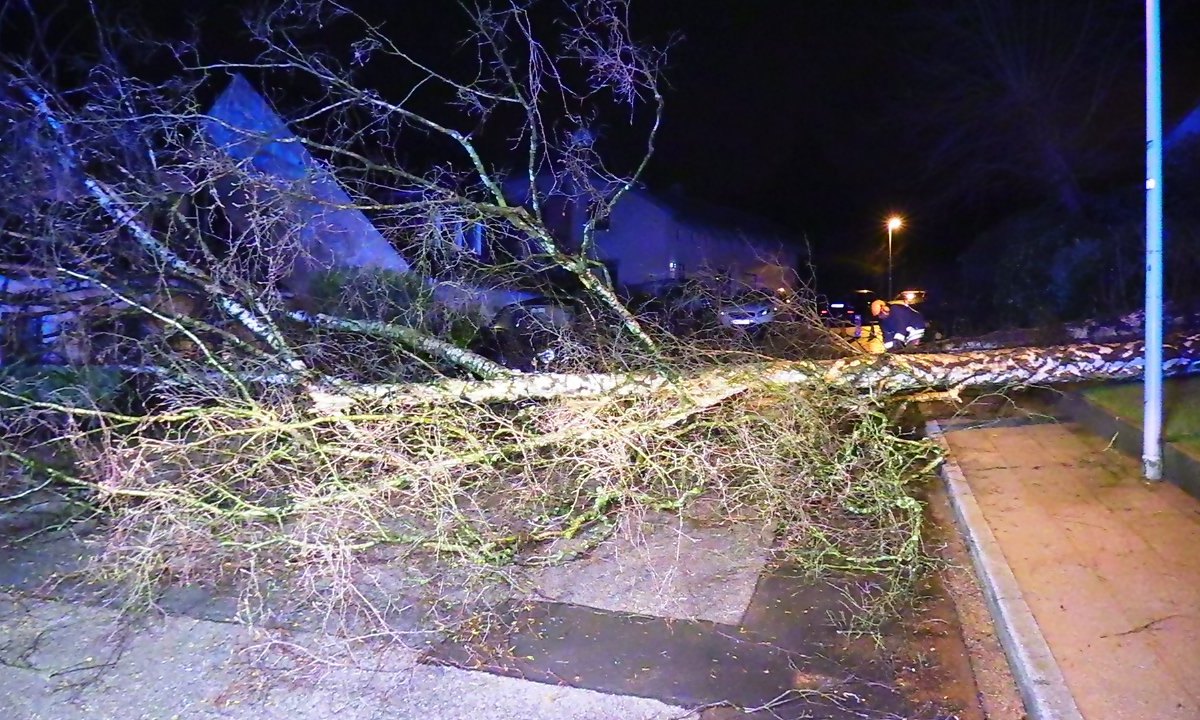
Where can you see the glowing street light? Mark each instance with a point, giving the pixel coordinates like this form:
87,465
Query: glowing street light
894,223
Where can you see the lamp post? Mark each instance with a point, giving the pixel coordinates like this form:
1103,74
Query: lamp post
1152,402
894,223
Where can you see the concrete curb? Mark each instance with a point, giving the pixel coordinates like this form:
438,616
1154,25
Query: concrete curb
1039,679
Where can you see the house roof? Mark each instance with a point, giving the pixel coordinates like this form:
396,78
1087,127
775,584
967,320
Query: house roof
1188,129
685,211
329,228
707,215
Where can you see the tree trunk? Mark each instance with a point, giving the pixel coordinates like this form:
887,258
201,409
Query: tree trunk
1011,366
889,374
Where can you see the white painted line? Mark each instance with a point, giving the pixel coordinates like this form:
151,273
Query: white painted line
1038,677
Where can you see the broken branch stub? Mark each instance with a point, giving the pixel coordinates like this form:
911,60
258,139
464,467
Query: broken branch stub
411,338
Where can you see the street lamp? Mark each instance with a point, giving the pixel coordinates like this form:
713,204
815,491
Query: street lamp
894,223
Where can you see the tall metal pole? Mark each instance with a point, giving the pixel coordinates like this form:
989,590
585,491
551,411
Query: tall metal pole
889,292
1152,411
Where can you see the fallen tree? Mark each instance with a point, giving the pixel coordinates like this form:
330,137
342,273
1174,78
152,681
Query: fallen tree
297,445
1008,367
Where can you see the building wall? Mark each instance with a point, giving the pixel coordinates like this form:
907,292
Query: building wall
638,247
648,243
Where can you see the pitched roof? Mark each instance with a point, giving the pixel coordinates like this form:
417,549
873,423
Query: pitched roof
1188,129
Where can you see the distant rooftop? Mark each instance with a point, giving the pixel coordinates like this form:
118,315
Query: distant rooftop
701,213
1187,129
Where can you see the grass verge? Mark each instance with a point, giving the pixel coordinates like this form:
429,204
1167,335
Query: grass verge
1181,407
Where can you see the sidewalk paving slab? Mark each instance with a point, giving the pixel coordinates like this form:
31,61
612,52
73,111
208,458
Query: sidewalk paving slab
62,661
1105,564
1180,464
664,567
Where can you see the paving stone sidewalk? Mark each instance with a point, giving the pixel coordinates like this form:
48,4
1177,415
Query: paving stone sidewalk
1108,565
63,656
662,622
62,661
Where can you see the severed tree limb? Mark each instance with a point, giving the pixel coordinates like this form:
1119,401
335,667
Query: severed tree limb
890,374
539,386
411,338
953,395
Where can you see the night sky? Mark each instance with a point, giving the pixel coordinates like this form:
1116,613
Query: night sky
805,112
816,113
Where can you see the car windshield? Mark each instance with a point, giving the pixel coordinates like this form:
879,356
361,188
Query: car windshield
750,296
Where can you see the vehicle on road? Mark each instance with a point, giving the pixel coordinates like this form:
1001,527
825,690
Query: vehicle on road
846,310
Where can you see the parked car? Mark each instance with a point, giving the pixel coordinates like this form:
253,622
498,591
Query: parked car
838,313
847,309
527,335
684,307
747,309
678,307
